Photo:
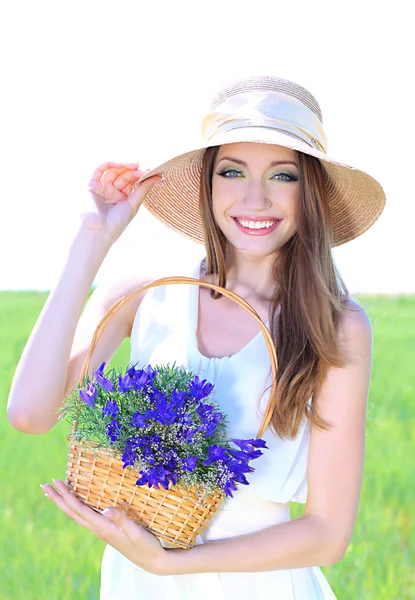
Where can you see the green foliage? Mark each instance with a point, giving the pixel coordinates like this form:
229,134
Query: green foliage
44,555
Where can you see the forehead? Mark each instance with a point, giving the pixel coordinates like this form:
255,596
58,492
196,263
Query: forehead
247,151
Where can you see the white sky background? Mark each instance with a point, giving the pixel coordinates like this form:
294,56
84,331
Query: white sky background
88,81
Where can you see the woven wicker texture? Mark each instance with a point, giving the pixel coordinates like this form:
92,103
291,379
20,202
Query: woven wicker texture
355,198
99,480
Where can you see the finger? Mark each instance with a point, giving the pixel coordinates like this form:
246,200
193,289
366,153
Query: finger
100,170
57,499
133,184
131,165
110,175
133,531
103,177
96,522
121,181
148,183
106,191
138,195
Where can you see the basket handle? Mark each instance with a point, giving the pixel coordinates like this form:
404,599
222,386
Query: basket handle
191,281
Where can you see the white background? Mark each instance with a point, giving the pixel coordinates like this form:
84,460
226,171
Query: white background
88,81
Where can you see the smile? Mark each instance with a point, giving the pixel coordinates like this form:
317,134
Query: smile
257,227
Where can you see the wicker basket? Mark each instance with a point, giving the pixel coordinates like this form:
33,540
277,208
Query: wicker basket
98,479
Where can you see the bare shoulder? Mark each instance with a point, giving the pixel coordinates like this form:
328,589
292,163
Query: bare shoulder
355,330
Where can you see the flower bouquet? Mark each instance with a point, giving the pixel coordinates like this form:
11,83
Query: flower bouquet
153,442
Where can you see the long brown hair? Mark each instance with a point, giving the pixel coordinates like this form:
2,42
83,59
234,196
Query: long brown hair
309,294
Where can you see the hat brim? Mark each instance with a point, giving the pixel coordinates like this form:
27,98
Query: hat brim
356,199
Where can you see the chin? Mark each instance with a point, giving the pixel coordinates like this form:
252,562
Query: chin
256,250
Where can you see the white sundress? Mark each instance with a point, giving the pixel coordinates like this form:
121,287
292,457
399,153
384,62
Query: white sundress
164,331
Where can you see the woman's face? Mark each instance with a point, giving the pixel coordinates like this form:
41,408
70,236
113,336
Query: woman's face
255,192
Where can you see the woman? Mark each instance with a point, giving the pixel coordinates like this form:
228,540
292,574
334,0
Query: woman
272,203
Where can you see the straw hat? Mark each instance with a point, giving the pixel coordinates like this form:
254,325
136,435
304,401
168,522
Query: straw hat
269,110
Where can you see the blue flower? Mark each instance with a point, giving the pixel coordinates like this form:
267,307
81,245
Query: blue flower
240,478
131,372
170,461
210,419
146,478
247,452
124,383
110,409
141,443
238,454
163,413
89,396
186,434
184,419
102,381
177,400
213,425
153,393
215,453
154,477
237,467
200,389
189,464
230,487
134,442
138,420
128,456
254,454
140,380
113,430
143,378
144,443
231,474
246,444
205,411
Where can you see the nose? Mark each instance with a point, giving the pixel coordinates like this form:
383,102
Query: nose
256,198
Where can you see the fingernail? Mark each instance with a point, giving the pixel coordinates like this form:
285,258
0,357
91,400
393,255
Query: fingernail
42,484
54,480
47,496
162,180
107,512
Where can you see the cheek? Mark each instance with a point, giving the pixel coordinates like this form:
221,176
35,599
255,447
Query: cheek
293,205
221,200
289,200
296,203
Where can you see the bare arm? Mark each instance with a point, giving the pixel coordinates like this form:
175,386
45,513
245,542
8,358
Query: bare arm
53,357
335,466
39,381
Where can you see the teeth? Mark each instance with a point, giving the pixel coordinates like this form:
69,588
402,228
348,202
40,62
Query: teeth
256,224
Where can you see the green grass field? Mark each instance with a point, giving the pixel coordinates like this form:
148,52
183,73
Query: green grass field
46,556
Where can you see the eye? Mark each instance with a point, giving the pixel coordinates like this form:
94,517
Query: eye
230,173
285,177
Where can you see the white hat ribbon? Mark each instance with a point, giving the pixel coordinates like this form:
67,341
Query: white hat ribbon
269,109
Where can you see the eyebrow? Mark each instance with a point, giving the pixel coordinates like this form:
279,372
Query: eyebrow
275,163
